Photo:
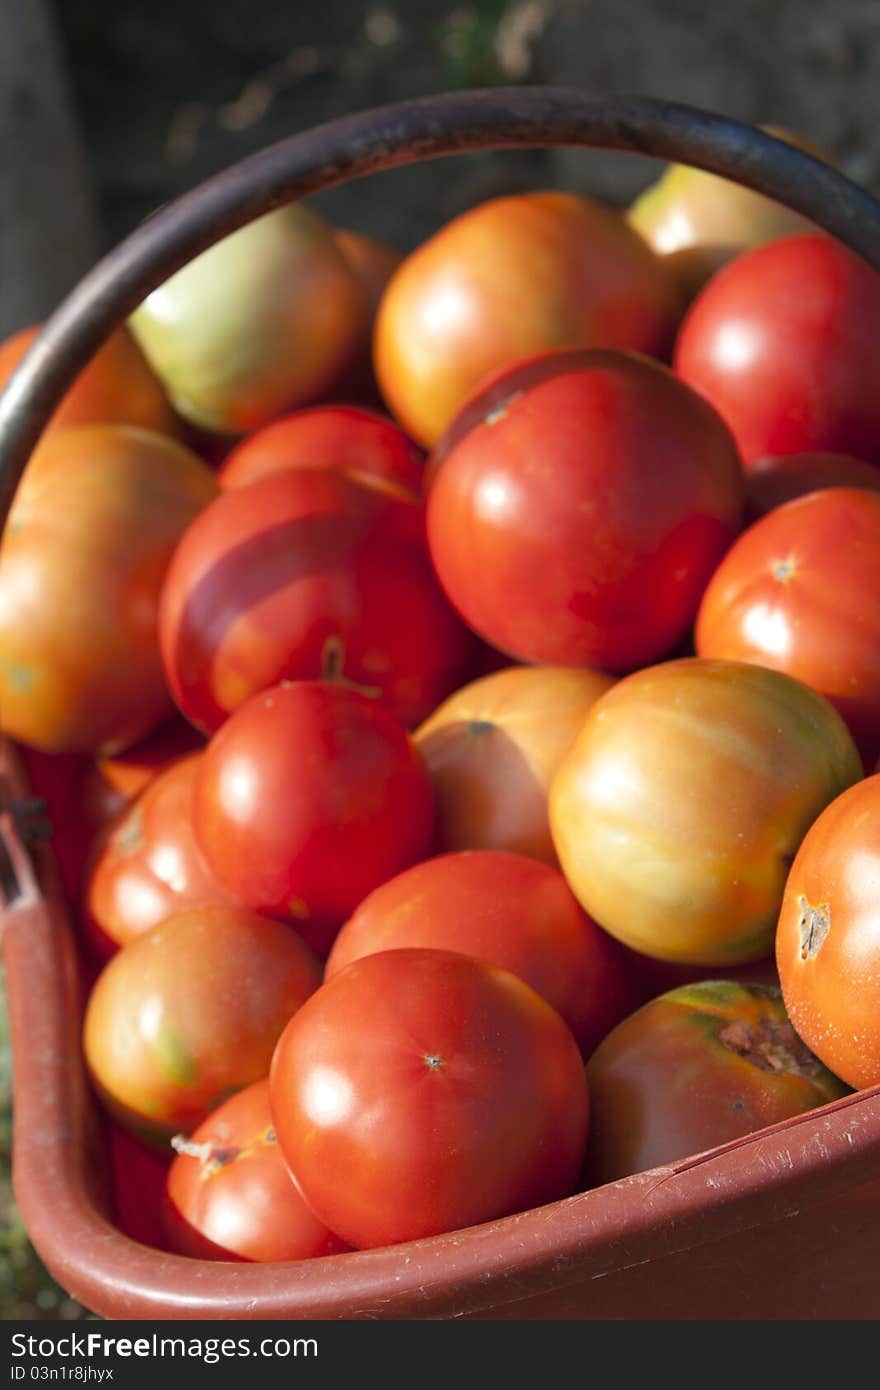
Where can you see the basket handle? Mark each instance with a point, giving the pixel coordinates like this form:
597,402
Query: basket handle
383,138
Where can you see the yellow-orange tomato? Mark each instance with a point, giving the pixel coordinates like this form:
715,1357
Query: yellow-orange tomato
261,322
683,799
697,1067
82,560
116,388
514,277
492,750
828,937
190,1012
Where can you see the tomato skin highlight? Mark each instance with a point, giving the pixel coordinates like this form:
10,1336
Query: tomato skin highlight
424,1091
492,748
510,911
784,343
828,936
307,799
510,278
83,559
576,516
677,810
800,592
236,1200
275,570
190,1012
694,1068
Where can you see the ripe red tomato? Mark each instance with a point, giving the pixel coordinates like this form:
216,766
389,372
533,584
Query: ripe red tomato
492,749
146,866
512,912
349,437
307,799
190,1012
510,278
800,592
678,808
274,571
421,1091
229,1195
579,517
116,388
828,937
697,1067
82,562
785,343
111,783
780,478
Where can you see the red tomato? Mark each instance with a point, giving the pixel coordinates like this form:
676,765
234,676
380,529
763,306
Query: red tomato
307,799
512,912
421,1091
785,343
678,808
348,437
116,388
800,592
274,571
780,478
229,1195
190,1012
493,748
510,278
147,866
113,782
83,557
828,938
580,516
701,1065
56,779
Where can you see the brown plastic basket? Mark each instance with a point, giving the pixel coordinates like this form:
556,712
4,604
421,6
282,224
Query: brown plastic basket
782,1224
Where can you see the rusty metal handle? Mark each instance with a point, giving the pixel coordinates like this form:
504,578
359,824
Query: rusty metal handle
389,136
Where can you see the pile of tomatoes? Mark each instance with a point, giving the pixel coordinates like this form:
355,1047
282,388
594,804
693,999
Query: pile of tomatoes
455,680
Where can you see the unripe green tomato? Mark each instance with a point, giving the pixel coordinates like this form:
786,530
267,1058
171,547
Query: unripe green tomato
263,321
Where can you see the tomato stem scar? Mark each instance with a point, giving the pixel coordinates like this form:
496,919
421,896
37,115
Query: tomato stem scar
814,925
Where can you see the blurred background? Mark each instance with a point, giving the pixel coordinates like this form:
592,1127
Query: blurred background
109,108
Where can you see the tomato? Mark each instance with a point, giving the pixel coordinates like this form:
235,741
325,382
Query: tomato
110,783
263,321
420,1091
115,388
307,799
229,1195
492,749
349,437
828,937
83,558
697,1067
678,808
138,1176
510,911
699,221
510,278
56,780
785,343
579,517
782,477
800,592
147,866
271,573
190,1012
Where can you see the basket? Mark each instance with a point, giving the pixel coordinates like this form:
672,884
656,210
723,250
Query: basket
784,1223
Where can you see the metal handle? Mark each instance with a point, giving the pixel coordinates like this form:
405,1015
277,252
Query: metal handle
389,136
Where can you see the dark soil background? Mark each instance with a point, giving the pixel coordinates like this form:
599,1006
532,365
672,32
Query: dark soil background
169,91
